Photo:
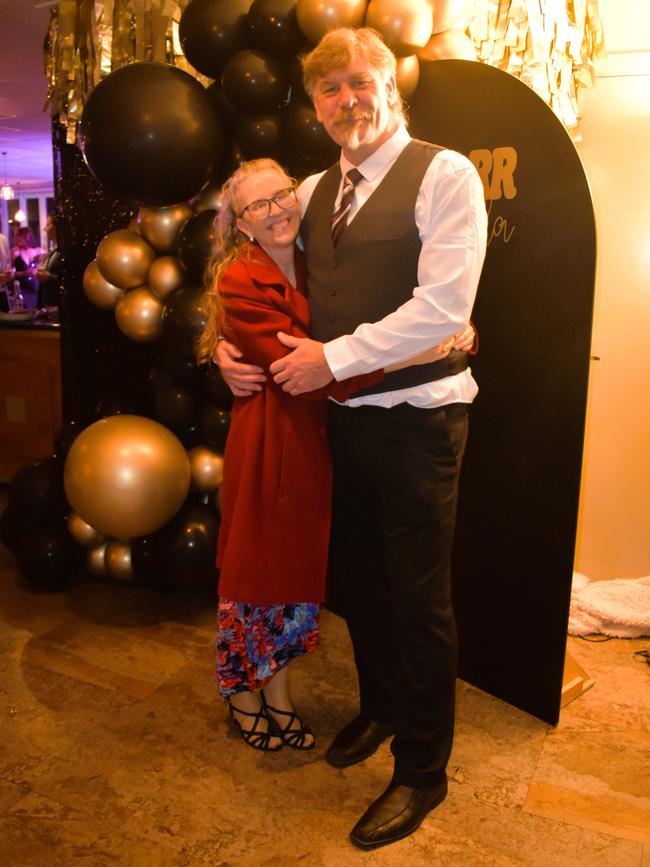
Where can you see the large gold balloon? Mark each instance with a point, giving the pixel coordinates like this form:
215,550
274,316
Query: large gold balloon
82,532
317,17
166,275
406,25
408,75
206,468
450,45
452,14
124,258
126,475
139,315
102,293
160,226
96,562
118,561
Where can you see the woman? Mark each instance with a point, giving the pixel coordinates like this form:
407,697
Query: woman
275,499
276,494
24,257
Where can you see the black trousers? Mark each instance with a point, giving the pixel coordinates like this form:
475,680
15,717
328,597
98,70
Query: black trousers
394,509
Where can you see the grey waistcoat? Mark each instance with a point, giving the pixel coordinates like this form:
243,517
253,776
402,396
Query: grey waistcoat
373,270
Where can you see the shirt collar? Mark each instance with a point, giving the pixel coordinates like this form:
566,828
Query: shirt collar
382,157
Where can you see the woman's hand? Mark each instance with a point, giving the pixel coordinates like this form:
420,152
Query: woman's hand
242,379
465,338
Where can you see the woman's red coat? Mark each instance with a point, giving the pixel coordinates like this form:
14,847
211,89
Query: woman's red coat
277,487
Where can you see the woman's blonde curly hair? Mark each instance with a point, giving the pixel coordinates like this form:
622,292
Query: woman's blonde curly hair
230,243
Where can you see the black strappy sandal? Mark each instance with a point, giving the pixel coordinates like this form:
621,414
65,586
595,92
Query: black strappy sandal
258,740
295,731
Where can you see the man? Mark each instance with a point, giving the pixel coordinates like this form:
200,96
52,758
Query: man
398,277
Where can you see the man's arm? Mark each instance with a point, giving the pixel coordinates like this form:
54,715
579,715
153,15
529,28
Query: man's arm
451,217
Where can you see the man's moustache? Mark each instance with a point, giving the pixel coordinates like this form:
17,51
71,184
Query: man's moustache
353,117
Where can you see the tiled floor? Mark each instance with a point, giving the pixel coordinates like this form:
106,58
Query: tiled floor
114,750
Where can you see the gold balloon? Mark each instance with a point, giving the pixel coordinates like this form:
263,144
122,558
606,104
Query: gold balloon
209,199
96,562
166,275
317,17
82,532
98,290
408,75
450,45
160,226
133,226
452,14
118,561
126,475
405,24
206,468
139,315
124,258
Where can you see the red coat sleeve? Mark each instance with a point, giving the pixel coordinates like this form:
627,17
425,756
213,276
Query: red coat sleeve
255,314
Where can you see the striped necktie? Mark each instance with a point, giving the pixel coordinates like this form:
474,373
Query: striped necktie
340,215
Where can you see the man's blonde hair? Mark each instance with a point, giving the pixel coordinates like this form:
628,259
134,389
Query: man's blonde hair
343,45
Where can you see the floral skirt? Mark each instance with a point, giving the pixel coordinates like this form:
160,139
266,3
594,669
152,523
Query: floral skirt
255,641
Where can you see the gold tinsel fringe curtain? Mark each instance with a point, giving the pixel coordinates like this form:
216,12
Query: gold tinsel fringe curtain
550,44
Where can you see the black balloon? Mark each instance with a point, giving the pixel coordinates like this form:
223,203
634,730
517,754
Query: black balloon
221,104
12,529
36,491
48,557
108,406
195,242
261,137
306,135
214,424
184,319
183,552
150,135
216,389
234,158
183,370
64,439
175,406
273,27
211,30
254,82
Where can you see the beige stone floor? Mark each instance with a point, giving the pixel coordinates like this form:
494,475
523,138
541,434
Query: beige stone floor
114,750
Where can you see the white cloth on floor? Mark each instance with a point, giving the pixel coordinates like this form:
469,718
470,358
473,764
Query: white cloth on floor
619,607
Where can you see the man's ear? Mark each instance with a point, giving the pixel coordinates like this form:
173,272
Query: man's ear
391,89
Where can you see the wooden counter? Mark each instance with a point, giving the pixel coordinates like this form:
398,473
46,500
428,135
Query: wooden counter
30,393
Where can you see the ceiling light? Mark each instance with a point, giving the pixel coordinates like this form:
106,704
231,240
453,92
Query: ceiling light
6,190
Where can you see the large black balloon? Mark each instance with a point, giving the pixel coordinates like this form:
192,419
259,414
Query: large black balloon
254,82
150,135
176,406
273,27
183,370
195,243
183,552
211,30
307,137
261,136
184,319
36,491
214,424
216,389
48,557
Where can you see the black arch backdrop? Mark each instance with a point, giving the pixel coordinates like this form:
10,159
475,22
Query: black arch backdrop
521,478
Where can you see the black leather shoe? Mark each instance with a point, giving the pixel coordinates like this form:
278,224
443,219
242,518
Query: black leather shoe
358,740
396,814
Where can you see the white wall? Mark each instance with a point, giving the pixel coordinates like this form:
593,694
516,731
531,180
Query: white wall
614,526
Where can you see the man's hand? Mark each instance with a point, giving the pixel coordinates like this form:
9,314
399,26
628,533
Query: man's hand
242,379
304,369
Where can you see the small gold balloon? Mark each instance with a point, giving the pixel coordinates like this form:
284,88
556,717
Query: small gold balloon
166,275
96,562
406,25
98,290
452,14
408,75
126,475
206,468
82,532
317,17
160,226
139,315
450,45
124,258
118,561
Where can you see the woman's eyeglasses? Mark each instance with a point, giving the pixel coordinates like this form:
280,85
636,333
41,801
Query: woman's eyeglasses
260,209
